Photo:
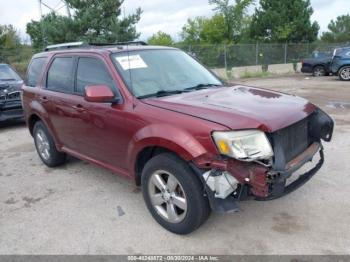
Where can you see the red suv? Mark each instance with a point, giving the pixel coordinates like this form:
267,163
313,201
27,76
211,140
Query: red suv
157,116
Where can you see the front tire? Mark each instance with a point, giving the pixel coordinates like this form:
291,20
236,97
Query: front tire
45,146
173,194
344,73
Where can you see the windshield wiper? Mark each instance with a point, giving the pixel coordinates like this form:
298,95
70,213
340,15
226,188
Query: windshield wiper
200,86
174,92
162,93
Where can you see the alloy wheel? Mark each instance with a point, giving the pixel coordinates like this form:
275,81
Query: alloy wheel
345,73
167,196
319,71
42,144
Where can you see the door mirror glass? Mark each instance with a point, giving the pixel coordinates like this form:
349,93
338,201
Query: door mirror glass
99,94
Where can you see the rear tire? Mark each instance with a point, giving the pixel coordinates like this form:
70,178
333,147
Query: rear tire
166,179
319,71
344,73
45,146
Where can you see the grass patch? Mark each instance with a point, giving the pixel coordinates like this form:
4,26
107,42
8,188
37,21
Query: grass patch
247,74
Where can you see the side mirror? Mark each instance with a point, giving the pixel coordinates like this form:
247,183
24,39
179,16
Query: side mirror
99,94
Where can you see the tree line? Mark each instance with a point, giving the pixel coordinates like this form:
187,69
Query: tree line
273,21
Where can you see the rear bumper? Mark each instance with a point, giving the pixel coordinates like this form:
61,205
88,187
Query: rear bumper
306,69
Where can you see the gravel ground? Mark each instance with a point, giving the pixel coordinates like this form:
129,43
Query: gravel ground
83,209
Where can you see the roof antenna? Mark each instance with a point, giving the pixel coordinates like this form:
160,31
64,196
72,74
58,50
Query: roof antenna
130,78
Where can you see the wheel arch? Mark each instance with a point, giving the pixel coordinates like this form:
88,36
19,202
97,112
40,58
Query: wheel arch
144,156
323,65
31,122
342,66
155,139
34,118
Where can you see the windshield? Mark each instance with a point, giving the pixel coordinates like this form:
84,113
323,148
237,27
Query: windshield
162,72
8,74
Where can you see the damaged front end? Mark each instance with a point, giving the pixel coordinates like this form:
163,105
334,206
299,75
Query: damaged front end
230,180
10,101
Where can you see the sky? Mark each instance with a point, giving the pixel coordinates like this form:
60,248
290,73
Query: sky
165,15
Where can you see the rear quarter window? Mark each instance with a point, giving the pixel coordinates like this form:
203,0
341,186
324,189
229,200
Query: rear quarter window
34,71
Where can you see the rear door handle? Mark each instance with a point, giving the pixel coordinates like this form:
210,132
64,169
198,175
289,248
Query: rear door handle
79,108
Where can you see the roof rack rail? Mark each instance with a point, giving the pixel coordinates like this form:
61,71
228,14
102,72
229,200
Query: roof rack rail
119,43
84,44
65,46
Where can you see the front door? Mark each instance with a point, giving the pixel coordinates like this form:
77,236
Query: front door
102,134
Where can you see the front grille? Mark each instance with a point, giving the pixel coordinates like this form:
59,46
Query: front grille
14,95
10,96
291,140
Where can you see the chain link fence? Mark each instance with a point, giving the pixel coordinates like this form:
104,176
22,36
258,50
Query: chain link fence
228,56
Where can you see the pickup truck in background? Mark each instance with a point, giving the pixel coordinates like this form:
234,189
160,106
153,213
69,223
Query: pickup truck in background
318,64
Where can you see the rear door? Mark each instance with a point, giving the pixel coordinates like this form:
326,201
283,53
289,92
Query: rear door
58,98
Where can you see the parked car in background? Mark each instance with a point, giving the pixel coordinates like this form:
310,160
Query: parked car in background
318,64
157,116
340,64
10,93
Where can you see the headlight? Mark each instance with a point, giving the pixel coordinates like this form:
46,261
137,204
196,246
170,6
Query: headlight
246,145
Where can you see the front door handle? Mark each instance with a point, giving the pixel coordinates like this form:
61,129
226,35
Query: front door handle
79,108
43,99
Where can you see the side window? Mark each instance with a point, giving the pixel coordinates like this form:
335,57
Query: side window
92,71
60,75
35,70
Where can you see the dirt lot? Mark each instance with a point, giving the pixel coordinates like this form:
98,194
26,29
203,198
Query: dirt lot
83,209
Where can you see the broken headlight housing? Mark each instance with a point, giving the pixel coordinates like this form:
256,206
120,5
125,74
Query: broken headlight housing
246,145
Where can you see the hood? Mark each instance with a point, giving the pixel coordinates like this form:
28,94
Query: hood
239,107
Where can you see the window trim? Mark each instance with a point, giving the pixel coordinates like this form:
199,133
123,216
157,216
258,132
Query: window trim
74,57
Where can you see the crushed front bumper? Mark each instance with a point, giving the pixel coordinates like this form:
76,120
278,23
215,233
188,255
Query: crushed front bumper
11,110
265,183
277,180
293,148
260,182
